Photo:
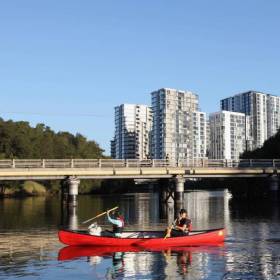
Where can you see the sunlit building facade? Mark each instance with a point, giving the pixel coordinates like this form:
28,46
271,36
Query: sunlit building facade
179,129
133,124
264,112
273,114
199,134
227,135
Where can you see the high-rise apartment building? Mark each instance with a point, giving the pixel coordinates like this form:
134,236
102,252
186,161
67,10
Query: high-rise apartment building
179,129
199,134
113,148
264,112
207,137
227,135
133,124
273,114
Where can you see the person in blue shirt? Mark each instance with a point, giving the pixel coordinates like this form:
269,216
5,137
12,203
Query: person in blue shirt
118,223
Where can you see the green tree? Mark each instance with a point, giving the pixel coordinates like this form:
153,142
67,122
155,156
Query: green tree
269,150
20,140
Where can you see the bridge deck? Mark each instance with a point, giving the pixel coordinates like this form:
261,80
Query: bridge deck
108,168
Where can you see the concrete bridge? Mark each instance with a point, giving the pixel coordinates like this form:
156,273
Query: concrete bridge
51,169
72,170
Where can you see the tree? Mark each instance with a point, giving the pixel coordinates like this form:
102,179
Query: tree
269,150
20,140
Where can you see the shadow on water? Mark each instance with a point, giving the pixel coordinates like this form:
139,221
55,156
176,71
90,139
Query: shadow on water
258,209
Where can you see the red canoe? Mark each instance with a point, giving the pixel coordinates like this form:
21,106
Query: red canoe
143,238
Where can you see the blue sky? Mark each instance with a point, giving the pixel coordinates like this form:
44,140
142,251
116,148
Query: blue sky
68,63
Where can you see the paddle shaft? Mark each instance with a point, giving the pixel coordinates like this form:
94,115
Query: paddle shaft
84,222
169,229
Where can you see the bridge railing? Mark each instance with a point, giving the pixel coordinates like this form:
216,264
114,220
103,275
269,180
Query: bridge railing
135,163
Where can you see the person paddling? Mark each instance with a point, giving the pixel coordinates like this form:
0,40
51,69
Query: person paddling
181,226
118,223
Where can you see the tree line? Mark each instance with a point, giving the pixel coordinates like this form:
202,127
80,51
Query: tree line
269,150
20,140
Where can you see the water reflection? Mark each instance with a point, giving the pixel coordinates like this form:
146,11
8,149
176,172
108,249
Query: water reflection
29,245
183,261
117,269
131,261
22,214
142,211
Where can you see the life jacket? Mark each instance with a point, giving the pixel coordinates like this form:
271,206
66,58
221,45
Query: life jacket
117,229
185,221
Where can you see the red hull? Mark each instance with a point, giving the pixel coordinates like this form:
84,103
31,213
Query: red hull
208,237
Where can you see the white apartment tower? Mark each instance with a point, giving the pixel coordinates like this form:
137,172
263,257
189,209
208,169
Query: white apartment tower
264,112
179,129
273,114
133,124
227,135
199,134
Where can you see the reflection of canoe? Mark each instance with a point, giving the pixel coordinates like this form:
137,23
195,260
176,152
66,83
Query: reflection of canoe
142,238
71,252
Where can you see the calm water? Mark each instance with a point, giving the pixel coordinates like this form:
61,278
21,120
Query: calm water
29,248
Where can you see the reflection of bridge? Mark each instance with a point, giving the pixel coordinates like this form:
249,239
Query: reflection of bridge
75,169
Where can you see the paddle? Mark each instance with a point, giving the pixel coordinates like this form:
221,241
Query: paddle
169,230
99,215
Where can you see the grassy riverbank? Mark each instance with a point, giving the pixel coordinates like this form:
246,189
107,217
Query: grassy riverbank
46,188
52,188
27,188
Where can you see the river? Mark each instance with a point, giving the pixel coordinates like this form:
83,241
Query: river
29,248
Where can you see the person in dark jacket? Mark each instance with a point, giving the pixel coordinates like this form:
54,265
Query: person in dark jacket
181,226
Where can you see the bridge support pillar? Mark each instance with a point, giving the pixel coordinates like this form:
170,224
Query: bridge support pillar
72,218
274,183
179,188
166,199
69,218
73,190
179,193
166,190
